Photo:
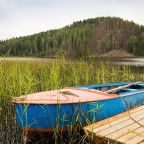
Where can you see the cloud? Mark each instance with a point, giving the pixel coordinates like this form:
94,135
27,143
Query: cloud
23,17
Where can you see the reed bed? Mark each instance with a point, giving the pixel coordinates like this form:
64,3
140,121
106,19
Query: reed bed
23,77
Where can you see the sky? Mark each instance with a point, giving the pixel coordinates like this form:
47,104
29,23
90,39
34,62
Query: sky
26,17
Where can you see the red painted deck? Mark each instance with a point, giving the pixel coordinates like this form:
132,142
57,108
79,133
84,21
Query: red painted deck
64,96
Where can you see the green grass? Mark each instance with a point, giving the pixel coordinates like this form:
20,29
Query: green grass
22,77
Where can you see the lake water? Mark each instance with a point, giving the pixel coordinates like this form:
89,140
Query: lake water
25,59
119,61
130,61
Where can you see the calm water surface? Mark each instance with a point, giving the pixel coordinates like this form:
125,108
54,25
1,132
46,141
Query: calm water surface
119,61
131,61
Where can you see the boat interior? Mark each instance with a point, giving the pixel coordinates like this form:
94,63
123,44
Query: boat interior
132,88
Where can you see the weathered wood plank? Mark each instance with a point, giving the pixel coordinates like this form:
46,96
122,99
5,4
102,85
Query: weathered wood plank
111,119
125,130
137,139
131,135
116,122
119,126
127,127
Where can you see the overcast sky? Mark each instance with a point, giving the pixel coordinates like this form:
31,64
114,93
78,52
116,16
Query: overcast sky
25,17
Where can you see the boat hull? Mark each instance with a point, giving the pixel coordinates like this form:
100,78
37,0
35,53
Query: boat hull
50,116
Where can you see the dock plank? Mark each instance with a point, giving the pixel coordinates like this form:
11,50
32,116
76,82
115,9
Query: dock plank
137,139
131,135
113,119
127,127
125,130
116,122
120,125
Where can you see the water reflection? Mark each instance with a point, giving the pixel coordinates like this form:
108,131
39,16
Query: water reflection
117,61
130,61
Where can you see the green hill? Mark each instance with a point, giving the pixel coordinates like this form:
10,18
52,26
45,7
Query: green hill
91,37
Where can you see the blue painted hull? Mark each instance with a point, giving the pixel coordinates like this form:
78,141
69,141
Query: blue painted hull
37,116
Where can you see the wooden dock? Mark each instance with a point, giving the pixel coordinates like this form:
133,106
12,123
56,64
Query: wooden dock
124,128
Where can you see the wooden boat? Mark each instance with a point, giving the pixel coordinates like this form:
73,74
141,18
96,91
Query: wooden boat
80,105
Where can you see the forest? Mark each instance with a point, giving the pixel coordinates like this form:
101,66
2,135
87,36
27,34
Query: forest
91,37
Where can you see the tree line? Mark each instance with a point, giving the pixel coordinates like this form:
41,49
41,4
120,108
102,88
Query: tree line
90,37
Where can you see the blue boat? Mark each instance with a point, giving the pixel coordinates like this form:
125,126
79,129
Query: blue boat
75,106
